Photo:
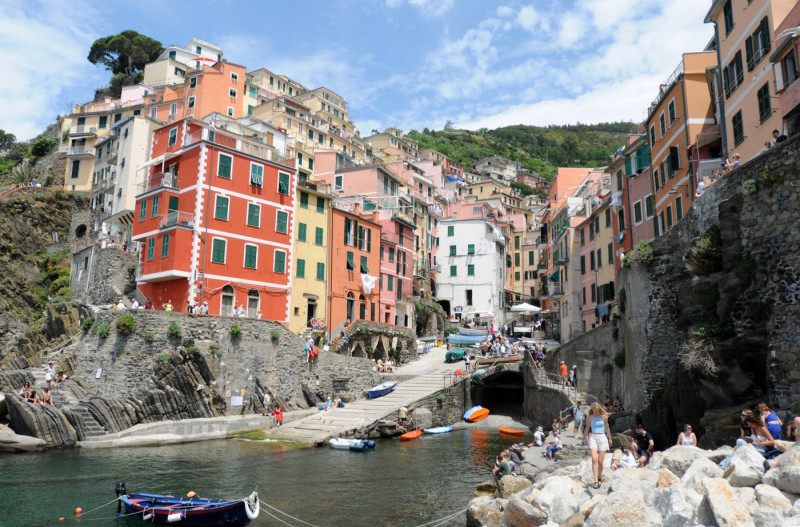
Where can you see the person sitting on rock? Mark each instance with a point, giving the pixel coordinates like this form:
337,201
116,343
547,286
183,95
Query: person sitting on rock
33,397
47,397
501,467
626,460
792,436
687,437
643,444
553,446
538,437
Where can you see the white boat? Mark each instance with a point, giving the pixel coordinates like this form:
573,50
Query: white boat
355,445
381,389
438,429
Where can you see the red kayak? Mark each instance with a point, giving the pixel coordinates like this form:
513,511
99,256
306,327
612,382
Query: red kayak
511,431
408,436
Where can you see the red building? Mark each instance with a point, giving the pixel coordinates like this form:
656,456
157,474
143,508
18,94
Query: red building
215,217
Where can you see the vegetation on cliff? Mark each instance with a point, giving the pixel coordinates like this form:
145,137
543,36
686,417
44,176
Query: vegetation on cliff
538,149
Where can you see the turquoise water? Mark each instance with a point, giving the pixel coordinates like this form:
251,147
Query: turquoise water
397,484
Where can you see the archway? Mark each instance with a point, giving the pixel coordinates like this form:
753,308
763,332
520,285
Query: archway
502,392
80,231
228,301
351,307
362,307
445,305
253,298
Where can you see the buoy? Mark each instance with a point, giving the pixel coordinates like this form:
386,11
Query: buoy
191,494
61,519
78,511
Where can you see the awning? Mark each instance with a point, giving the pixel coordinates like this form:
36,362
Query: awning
450,178
554,277
350,262
158,160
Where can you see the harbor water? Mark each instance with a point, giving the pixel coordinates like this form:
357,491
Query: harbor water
397,484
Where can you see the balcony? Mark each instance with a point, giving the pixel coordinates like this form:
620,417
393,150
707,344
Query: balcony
405,215
176,218
82,130
557,291
541,240
81,152
706,168
159,180
561,259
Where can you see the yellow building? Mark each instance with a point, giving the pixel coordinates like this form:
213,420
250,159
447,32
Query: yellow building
391,145
331,109
489,189
309,286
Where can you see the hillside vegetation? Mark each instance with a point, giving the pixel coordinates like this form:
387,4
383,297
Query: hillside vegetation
539,149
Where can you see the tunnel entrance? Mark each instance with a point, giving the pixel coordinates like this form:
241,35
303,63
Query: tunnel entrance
502,393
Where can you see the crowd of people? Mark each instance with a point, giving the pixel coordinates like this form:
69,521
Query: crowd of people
51,380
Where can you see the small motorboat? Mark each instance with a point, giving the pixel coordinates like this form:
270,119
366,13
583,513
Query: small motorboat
511,431
438,429
354,445
478,373
408,436
171,510
381,389
475,414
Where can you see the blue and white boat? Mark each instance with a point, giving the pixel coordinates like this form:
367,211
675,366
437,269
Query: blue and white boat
461,339
354,445
381,389
198,512
438,429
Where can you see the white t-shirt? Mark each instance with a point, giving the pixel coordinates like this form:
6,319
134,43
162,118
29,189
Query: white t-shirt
627,460
538,438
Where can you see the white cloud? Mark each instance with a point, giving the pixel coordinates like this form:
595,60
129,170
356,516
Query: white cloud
44,49
429,8
530,19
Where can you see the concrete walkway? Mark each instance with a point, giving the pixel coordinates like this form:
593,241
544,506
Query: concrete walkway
425,376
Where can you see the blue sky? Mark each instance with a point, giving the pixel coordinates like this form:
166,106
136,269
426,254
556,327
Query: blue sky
403,63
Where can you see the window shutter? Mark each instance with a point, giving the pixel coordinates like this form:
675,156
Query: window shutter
628,167
347,222
364,265
301,268
351,264
748,51
318,236
777,69
224,169
280,262
369,240
764,35
301,232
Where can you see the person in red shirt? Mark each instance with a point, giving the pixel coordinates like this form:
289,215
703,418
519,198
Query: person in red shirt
278,413
564,373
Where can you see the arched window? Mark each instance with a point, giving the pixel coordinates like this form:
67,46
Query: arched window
228,301
253,297
351,306
80,231
362,307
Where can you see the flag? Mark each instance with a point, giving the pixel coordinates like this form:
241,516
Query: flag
212,123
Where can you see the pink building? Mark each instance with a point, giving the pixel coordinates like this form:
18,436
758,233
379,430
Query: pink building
396,280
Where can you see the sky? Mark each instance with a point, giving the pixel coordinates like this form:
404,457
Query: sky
409,64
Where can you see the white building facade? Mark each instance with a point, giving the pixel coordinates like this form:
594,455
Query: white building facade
471,255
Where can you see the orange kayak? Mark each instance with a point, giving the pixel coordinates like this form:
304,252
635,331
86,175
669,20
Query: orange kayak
478,415
408,436
511,431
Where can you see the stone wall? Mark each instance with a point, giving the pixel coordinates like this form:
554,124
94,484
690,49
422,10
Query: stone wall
376,340
102,276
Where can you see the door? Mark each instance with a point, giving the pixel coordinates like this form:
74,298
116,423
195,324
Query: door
172,210
226,308
252,303
311,312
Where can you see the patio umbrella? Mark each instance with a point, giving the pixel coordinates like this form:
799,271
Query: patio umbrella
525,308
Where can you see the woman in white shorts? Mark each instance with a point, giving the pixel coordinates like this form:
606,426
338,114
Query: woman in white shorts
598,434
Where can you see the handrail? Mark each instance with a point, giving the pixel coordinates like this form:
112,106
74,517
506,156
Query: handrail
48,353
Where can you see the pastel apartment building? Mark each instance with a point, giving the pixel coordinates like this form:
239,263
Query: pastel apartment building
498,168
744,32
392,145
215,217
784,59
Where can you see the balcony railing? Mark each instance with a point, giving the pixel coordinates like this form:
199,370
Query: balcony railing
706,168
81,151
405,214
557,291
176,218
82,129
561,259
159,180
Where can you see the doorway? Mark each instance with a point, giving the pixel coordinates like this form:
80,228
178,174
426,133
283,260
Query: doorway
252,303
228,298
311,312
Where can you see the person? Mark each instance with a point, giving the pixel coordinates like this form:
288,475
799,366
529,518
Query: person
564,372
538,437
388,366
34,398
47,397
598,435
577,415
501,467
792,436
515,458
701,189
770,420
607,403
625,461
278,414
762,439
767,146
687,437
736,162
148,304
168,306
381,367
643,444
25,391
778,137
403,414
618,405
259,315
189,307
61,377
267,403
204,308
337,403
49,374
120,305
553,446
466,361
134,304
241,312
574,376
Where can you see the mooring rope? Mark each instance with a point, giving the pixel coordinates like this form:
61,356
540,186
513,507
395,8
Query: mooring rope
285,514
82,514
442,521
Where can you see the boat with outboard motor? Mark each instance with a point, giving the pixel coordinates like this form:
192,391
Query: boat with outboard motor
354,445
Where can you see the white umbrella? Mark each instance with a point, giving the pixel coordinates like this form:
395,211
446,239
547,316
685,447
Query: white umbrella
525,308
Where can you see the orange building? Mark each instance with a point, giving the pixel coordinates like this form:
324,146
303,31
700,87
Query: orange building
354,266
678,120
215,217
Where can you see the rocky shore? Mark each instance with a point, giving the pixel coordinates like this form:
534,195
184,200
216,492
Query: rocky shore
682,486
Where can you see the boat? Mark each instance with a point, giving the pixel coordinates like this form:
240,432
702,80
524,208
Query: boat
438,429
476,413
354,445
486,362
381,389
461,339
470,331
454,355
478,373
483,413
198,512
408,436
511,431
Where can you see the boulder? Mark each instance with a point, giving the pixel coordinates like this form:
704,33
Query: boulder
562,507
14,443
3,406
677,459
623,508
719,454
772,518
487,487
511,485
484,511
554,486
700,469
769,497
725,505
676,506
786,475
746,468
587,502
667,479
519,513
633,480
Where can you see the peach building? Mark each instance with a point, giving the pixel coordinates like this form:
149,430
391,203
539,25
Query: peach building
785,64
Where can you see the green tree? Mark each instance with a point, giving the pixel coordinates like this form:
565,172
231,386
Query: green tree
43,146
6,140
127,52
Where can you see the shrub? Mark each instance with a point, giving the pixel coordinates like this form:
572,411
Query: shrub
87,324
163,357
125,324
191,350
236,331
440,397
174,331
149,337
619,359
450,330
714,330
749,186
132,268
695,354
607,367
643,253
500,367
274,334
102,330
215,350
